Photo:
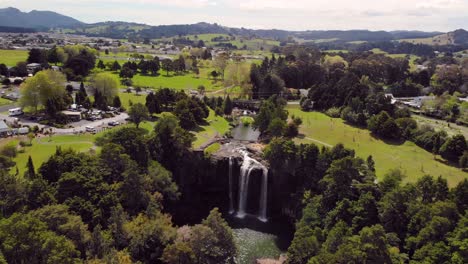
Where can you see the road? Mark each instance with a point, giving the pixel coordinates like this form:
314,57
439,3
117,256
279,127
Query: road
63,131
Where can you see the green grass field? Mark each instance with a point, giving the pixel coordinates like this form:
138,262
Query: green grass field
439,125
42,148
251,44
4,101
125,99
184,82
412,160
11,57
217,125
180,82
412,58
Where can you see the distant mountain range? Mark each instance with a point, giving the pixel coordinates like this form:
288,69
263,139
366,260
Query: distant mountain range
13,20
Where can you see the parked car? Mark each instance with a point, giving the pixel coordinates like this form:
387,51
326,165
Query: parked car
113,123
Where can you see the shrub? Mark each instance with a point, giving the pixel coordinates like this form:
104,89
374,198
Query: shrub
333,112
9,151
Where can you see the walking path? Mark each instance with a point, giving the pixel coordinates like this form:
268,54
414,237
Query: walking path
318,141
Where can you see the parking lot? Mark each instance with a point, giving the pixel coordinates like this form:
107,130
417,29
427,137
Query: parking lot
76,127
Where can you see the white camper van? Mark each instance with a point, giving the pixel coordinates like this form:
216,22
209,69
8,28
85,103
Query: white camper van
15,111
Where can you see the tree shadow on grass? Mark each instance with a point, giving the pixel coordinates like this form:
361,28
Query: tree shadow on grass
389,141
301,136
450,163
198,129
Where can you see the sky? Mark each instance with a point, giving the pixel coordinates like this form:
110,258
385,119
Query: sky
427,15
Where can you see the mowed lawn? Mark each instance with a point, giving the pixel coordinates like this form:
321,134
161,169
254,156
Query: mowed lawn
126,98
180,82
188,81
11,57
216,126
4,101
44,147
412,160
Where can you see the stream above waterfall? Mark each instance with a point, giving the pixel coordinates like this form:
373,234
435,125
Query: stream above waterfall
244,132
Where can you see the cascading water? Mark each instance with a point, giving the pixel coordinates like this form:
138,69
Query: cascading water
248,165
264,196
231,202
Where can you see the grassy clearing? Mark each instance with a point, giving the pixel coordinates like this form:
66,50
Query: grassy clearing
125,99
336,51
11,57
251,44
444,39
42,148
439,125
412,58
4,101
414,161
186,82
217,126
212,149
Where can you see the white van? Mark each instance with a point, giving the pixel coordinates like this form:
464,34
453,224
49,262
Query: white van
90,129
15,111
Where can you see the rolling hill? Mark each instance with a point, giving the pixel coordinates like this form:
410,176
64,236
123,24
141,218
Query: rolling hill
457,37
14,18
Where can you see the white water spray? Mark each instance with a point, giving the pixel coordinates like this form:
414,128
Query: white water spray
248,165
231,202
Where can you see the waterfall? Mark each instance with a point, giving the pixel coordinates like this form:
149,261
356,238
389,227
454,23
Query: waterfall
231,202
264,196
245,171
248,165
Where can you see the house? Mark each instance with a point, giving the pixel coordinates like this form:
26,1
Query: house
414,102
4,129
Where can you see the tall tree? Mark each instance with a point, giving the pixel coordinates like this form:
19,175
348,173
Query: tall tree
41,88
138,113
30,172
106,85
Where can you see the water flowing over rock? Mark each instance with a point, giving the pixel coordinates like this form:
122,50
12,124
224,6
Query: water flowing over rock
248,166
231,199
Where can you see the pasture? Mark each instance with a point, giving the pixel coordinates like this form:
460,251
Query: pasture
414,161
12,57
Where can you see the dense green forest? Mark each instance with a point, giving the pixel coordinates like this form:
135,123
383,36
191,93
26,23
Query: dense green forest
124,204
349,217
